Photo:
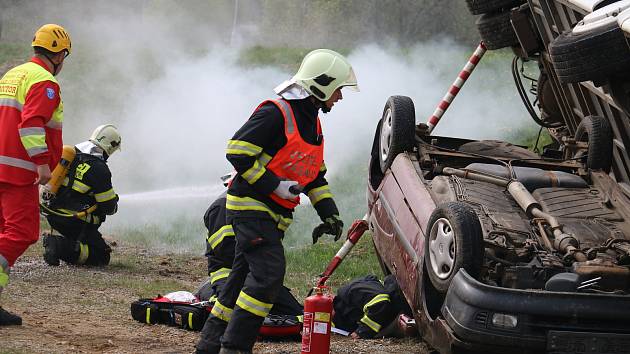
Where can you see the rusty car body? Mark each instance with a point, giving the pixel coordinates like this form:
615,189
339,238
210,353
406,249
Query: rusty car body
498,249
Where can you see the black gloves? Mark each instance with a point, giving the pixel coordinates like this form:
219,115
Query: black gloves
332,226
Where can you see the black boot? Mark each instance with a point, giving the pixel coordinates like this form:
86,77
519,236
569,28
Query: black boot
51,249
9,319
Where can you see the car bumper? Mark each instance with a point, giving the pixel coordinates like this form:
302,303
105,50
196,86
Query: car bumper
546,321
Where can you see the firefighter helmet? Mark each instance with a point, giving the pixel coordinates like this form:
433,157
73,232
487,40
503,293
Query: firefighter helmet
107,138
323,71
53,38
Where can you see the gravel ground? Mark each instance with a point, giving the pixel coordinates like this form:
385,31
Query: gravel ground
86,310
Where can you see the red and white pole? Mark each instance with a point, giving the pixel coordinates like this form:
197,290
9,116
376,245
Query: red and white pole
456,86
354,234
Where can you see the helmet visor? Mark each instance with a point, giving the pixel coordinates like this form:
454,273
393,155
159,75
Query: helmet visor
351,82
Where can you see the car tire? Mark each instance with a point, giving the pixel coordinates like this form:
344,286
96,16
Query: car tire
597,132
453,241
397,132
496,30
478,7
595,55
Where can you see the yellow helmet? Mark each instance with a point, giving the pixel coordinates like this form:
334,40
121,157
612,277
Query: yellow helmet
53,38
323,71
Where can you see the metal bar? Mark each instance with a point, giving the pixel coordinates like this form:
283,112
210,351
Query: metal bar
456,86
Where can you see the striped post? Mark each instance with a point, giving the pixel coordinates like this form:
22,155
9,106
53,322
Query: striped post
456,86
354,234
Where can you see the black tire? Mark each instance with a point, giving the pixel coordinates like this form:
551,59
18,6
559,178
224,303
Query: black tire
597,132
478,7
595,55
496,30
452,225
397,132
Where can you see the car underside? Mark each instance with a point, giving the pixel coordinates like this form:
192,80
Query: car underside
497,248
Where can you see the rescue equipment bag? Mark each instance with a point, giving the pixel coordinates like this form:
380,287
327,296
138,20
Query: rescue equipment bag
183,310
172,313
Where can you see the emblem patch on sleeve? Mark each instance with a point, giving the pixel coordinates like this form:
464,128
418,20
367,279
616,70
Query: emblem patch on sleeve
50,93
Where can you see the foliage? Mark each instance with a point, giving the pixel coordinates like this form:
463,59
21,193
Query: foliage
332,23
306,263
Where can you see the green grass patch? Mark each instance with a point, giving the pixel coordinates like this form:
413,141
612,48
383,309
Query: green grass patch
306,263
529,136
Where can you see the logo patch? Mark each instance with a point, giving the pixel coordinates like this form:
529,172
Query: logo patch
50,93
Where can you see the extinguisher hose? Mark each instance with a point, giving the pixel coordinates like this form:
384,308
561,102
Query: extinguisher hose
78,214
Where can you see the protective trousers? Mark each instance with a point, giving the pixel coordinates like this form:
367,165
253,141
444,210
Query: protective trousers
19,220
250,290
81,242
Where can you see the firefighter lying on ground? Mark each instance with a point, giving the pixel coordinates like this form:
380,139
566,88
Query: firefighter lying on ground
220,246
368,308
88,183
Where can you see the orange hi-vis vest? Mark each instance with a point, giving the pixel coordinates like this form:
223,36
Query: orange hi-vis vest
297,160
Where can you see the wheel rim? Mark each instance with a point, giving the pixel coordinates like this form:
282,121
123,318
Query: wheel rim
386,134
442,248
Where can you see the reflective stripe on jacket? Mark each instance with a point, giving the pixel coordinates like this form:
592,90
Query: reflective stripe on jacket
23,144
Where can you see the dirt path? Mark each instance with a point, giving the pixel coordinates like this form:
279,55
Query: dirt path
86,310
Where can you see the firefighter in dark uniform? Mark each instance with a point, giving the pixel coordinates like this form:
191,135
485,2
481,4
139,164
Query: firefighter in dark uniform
277,154
365,306
220,248
220,245
88,184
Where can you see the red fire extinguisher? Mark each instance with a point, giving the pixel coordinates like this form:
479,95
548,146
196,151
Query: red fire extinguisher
317,322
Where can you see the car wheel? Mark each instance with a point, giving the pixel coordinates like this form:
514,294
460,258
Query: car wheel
593,55
478,7
453,240
397,131
597,132
496,30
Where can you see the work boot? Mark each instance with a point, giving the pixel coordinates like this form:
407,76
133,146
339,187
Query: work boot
9,319
51,249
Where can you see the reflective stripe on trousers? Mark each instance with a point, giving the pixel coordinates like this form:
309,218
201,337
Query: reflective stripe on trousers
253,305
222,312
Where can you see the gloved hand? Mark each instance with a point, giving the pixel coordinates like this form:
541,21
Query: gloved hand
285,191
332,226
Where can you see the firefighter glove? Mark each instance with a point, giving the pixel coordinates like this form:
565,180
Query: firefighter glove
287,189
332,226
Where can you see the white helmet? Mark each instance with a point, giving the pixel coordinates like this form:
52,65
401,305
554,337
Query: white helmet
107,138
323,71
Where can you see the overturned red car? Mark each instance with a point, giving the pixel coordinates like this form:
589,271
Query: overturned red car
496,248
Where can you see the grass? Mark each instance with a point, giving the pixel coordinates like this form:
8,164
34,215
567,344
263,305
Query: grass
306,263
527,136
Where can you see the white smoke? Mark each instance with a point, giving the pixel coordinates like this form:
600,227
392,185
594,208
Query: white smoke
178,98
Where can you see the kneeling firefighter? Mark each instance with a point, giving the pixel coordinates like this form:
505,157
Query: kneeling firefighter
85,196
